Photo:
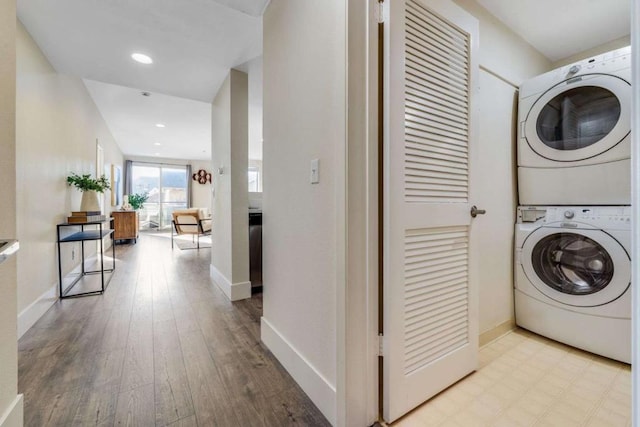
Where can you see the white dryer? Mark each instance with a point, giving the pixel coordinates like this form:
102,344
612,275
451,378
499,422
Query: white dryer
573,276
573,137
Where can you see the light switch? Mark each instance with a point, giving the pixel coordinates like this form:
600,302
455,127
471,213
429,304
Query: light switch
315,171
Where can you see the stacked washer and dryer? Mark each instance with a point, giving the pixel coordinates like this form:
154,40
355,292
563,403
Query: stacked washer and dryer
573,231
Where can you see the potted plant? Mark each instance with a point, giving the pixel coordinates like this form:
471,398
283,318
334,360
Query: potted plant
90,188
137,200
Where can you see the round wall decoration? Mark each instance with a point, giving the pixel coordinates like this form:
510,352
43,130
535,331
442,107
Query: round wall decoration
202,176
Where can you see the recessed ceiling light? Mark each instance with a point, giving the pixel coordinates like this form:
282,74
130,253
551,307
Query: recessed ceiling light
157,154
160,125
157,143
142,58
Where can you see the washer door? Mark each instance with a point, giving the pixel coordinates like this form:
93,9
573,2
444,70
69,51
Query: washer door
582,268
580,118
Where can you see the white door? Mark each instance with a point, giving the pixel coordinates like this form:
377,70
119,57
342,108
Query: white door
430,300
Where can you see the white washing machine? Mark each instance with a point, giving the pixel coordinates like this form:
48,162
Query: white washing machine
573,276
573,137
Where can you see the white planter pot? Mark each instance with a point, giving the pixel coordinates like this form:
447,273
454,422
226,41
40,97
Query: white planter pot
90,201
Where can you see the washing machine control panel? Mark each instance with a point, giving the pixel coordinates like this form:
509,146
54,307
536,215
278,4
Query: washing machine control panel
530,214
597,216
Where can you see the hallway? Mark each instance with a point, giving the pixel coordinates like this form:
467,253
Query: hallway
162,346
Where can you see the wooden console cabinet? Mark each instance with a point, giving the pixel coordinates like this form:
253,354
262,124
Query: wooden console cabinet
125,225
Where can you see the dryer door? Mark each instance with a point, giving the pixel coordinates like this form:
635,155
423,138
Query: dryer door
582,268
579,118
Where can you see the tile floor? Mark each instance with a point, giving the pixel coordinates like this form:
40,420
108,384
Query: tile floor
527,380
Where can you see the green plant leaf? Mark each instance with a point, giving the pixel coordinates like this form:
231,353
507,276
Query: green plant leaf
86,183
136,200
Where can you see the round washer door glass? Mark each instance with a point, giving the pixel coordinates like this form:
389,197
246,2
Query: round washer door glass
578,118
572,264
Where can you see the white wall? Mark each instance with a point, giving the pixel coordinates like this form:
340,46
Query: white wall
253,69
304,119
237,167
10,402
606,47
230,228
506,60
502,51
496,191
57,125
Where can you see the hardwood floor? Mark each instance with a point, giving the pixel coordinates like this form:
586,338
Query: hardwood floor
163,346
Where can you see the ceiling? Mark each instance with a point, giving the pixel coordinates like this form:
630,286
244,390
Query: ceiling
561,28
132,119
195,43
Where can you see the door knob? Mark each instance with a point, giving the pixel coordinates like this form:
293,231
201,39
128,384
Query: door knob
475,211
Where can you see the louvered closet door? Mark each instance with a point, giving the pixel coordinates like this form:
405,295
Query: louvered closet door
430,300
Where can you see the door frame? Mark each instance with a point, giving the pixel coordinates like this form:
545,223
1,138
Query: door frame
359,276
635,207
357,301
412,375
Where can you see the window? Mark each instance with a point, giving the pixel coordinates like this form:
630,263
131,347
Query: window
254,180
167,187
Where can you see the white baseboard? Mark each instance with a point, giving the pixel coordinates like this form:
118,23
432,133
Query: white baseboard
319,390
13,416
233,291
496,332
30,315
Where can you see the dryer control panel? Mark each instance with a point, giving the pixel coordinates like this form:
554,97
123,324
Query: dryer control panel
607,63
616,58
